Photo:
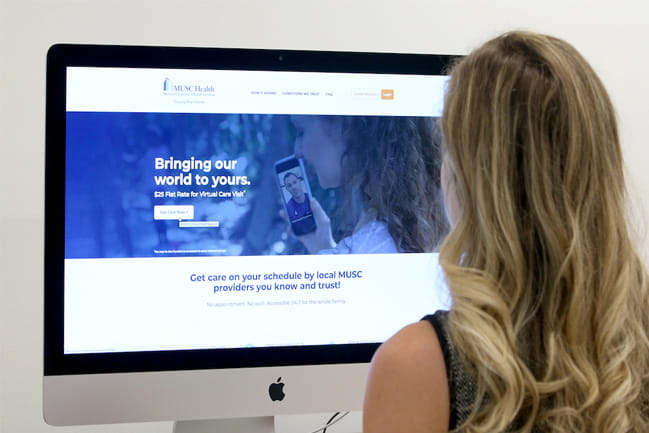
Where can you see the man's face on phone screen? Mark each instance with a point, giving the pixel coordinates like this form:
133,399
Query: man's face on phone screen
294,187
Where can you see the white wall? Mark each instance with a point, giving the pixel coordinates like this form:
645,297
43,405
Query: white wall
614,36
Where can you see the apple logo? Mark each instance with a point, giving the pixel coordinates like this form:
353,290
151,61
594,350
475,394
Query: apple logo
276,390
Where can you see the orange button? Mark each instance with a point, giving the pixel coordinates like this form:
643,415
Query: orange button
387,94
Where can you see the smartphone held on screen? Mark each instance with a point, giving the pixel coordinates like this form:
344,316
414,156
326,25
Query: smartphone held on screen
296,194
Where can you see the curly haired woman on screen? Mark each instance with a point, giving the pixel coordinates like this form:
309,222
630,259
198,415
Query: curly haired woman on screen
384,165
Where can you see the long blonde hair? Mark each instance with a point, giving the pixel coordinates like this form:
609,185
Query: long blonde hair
550,297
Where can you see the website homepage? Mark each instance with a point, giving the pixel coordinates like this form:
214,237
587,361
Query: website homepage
225,209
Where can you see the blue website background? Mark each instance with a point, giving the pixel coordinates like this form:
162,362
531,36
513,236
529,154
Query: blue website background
111,186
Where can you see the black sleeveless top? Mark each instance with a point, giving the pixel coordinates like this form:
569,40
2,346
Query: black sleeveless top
462,388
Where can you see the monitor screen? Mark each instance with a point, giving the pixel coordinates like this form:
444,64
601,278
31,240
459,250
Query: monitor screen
242,215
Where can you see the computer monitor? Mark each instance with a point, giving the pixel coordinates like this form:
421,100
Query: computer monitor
180,283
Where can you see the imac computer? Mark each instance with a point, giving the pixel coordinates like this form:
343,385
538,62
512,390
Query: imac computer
211,249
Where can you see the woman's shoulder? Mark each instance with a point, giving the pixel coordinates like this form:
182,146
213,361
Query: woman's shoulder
418,338
370,238
407,386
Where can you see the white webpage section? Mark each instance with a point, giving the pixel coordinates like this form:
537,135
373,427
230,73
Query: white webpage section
223,91
142,304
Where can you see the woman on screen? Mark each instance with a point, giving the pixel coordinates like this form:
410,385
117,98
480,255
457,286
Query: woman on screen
384,166
549,325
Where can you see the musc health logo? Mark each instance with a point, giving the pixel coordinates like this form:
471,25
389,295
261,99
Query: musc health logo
171,87
167,85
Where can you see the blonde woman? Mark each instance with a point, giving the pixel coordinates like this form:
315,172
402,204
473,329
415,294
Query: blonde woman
548,331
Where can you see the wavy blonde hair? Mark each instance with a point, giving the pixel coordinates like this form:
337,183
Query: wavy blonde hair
550,297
